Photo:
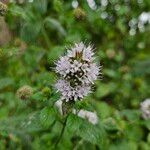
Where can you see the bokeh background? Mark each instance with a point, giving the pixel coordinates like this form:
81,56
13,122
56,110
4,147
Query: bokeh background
34,33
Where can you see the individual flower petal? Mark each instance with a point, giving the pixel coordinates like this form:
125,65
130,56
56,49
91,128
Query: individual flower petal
93,72
63,66
88,54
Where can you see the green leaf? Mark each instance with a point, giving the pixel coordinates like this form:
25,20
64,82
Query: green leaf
139,67
123,145
38,96
17,11
82,128
110,73
41,6
131,115
104,110
105,89
111,125
5,82
47,116
55,53
55,24
29,31
147,124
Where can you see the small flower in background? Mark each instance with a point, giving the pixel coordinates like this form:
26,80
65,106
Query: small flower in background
3,9
24,92
77,71
79,13
90,116
145,108
110,53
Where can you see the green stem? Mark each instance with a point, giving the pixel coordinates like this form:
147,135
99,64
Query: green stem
46,38
62,132
78,144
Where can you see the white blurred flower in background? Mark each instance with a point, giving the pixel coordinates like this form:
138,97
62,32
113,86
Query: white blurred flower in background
90,116
145,108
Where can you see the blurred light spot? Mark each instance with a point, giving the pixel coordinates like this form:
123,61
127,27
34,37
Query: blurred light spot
117,7
111,18
20,1
141,27
29,122
75,4
30,1
104,15
104,3
144,17
132,32
141,45
92,4
140,1
132,23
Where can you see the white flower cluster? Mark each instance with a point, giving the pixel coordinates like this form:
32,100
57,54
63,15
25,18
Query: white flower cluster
88,115
78,71
145,108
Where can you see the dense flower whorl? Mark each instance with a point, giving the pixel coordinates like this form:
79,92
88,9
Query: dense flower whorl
78,71
145,108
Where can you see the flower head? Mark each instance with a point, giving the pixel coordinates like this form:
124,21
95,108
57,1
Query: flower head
24,92
3,9
78,71
145,108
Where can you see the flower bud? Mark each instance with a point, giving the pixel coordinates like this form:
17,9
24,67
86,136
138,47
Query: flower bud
125,69
25,92
79,13
46,91
110,53
3,9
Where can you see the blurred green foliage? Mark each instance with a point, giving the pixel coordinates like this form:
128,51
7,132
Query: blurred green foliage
40,31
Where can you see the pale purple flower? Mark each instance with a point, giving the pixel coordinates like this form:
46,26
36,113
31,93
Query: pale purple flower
145,108
77,71
88,54
69,93
63,66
